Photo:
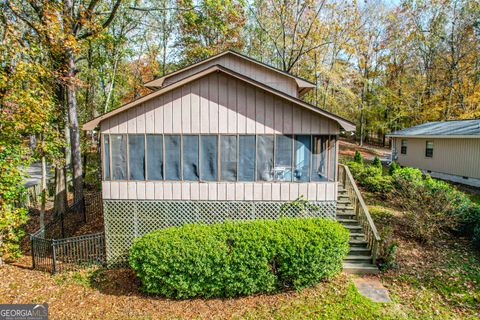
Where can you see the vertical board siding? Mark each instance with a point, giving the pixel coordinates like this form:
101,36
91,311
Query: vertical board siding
453,156
248,191
250,69
210,105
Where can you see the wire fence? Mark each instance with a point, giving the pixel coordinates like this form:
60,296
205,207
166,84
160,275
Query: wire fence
57,248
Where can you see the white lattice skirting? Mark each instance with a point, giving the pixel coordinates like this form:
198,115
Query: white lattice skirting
128,219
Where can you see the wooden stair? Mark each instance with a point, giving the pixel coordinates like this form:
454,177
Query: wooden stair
359,259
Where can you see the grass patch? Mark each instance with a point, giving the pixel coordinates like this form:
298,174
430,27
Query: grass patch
338,299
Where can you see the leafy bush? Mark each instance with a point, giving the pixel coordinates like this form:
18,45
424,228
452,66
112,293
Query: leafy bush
407,176
370,177
393,167
433,208
388,247
358,157
239,258
378,183
376,162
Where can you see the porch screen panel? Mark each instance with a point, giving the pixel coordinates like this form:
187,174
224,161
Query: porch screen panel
228,158
172,158
154,157
106,157
283,158
190,158
208,158
265,158
319,159
302,158
333,155
136,157
246,158
119,156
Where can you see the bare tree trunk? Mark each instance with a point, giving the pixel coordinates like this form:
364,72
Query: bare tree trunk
74,131
44,192
60,190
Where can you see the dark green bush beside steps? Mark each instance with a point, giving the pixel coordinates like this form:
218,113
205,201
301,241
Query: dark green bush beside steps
239,258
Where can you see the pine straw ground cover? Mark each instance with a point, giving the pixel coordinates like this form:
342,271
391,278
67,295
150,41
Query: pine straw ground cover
440,281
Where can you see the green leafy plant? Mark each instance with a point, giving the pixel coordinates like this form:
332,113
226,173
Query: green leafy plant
239,258
358,157
300,207
393,167
12,218
376,162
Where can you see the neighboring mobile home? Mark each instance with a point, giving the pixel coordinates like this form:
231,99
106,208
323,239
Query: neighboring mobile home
225,138
447,150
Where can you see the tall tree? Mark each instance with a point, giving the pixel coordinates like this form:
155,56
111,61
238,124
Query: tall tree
61,28
207,27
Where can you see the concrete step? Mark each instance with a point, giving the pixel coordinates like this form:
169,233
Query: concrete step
358,251
358,258
360,268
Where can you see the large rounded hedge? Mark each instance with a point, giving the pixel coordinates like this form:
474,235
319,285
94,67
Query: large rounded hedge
239,258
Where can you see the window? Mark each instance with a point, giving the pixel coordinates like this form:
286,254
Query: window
302,158
319,159
403,149
283,158
228,158
136,156
265,158
172,158
190,158
246,158
119,156
106,157
154,157
429,149
208,158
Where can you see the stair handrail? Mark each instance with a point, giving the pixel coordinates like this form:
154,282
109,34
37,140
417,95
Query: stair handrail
361,211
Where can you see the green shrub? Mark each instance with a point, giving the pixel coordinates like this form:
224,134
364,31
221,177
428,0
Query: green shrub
407,175
239,258
376,162
378,183
370,177
393,167
356,169
358,157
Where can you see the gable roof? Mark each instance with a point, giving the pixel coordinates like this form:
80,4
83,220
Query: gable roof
345,124
445,129
301,83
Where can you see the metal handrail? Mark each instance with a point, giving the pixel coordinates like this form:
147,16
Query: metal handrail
360,209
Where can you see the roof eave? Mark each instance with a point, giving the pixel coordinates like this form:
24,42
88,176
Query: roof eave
432,136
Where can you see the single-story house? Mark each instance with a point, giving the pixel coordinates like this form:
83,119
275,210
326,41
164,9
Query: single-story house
448,150
225,138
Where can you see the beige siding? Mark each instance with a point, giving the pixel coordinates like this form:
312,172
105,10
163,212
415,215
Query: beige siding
450,155
240,191
247,68
219,104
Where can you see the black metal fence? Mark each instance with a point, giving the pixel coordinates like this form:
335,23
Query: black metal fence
56,248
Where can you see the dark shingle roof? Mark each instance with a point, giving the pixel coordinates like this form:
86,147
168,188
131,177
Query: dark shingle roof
446,128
